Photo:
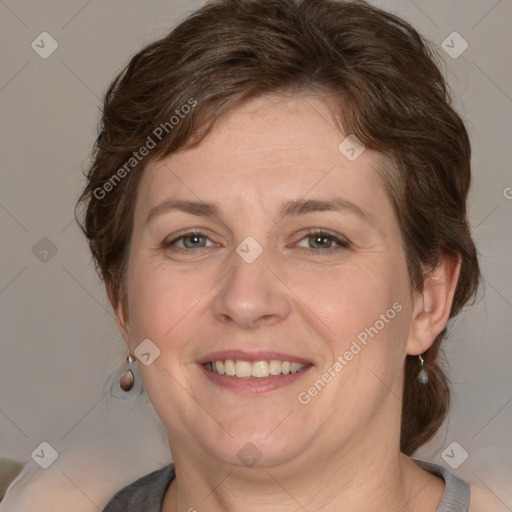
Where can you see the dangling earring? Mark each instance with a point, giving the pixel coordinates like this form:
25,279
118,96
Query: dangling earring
126,383
422,375
127,378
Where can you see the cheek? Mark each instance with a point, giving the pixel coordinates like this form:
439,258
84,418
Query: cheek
366,307
349,298
160,298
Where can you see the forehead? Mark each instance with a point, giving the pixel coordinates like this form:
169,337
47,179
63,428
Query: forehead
273,148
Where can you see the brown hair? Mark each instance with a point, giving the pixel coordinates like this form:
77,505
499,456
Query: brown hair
390,94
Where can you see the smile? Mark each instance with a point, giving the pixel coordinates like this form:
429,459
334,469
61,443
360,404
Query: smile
256,369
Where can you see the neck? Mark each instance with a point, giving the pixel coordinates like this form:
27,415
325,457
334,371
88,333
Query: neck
367,475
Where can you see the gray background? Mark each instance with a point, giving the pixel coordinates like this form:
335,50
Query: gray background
59,345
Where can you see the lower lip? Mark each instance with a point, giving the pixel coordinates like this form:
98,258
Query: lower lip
253,385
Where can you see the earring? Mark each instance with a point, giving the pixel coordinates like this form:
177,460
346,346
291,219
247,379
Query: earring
127,378
422,375
126,383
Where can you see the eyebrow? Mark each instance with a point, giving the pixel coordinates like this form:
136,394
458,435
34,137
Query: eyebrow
293,208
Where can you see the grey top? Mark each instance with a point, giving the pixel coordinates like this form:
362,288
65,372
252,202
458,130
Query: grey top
147,493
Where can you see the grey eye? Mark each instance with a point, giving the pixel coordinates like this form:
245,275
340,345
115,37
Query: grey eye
193,241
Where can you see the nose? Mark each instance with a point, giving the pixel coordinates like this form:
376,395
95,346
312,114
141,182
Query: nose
251,295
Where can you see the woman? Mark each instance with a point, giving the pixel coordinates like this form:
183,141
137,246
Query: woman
277,206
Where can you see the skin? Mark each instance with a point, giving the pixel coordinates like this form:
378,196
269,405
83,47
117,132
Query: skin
341,450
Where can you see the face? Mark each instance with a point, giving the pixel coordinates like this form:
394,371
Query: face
265,245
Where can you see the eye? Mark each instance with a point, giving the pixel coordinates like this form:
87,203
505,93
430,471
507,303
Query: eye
315,241
193,240
318,240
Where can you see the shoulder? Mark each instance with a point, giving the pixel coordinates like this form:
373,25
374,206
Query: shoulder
147,491
456,494
43,490
72,483
484,501
460,495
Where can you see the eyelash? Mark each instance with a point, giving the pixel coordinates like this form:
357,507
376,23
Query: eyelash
341,244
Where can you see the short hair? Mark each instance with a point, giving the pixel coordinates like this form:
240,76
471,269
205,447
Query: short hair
387,89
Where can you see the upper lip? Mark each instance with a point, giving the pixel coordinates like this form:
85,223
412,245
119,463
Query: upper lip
242,355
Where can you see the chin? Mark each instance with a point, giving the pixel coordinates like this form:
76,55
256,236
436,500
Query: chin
261,446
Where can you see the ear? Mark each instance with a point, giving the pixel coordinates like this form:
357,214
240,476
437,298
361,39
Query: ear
120,311
432,307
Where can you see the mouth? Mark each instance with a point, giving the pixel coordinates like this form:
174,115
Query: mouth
243,369
255,373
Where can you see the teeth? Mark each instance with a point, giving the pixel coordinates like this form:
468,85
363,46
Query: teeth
257,369
243,368
275,367
295,367
219,367
260,369
229,367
